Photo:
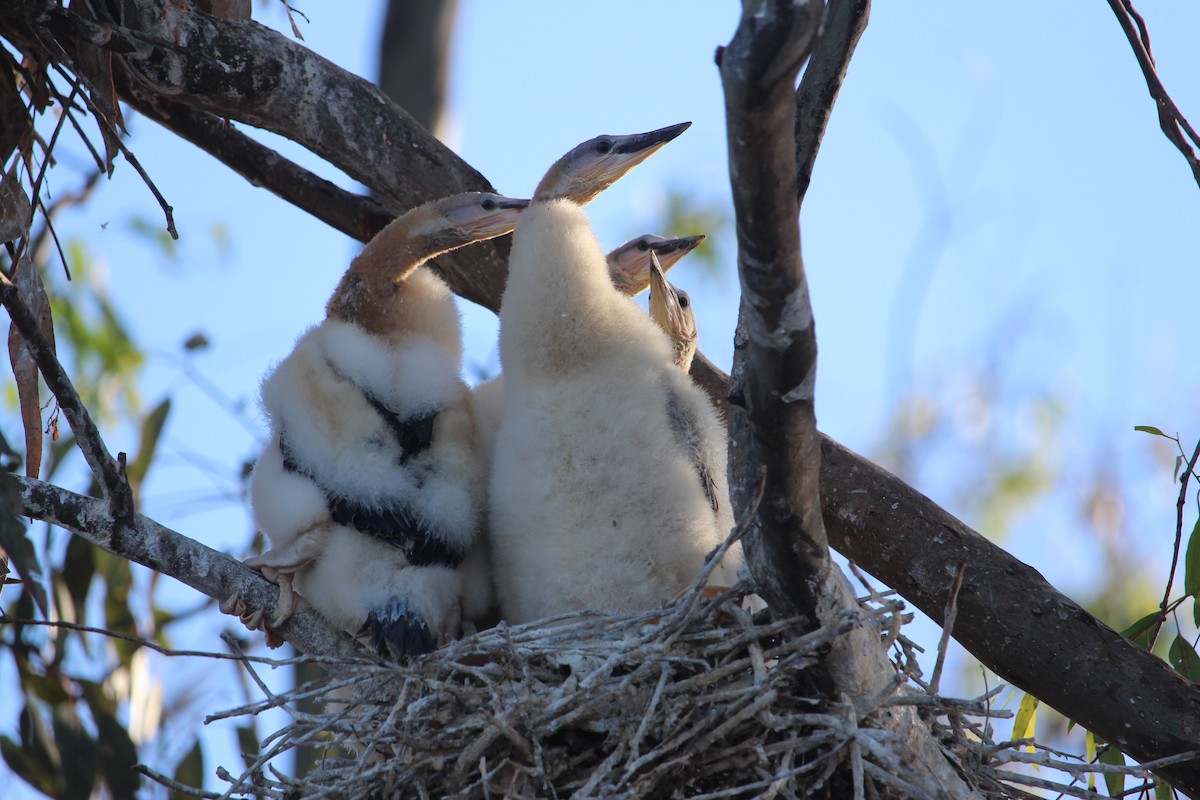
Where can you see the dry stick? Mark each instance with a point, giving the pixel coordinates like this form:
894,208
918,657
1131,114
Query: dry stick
102,111
947,627
1170,118
1180,505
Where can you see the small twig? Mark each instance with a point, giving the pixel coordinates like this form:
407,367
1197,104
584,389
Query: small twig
174,785
149,643
948,619
1180,506
102,116
1170,118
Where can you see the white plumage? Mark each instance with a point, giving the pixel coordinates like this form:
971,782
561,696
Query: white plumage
629,268
370,490
607,453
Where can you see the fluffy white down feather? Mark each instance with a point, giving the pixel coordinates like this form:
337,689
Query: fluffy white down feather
314,396
356,575
595,502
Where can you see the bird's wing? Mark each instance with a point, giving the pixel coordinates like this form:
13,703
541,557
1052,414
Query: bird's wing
689,433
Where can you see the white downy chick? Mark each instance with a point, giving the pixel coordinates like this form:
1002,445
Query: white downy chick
370,490
595,499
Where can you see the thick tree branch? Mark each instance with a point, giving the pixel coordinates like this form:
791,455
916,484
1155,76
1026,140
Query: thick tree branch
247,72
1009,617
357,216
163,550
845,21
771,419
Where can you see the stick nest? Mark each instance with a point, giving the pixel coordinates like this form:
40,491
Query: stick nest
694,700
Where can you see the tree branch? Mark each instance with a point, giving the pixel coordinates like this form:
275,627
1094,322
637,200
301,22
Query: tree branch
771,419
1170,118
1009,617
152,545
357,216
110,473
845,21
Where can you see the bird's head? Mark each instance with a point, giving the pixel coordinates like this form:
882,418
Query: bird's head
629,264
593,166
469,217
671,308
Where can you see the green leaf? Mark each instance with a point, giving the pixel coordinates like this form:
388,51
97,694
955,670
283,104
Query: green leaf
14,540
1114,781
118,578
1139,632
1150,429
248,742
1163,790
1089,740
152,428
1196,611
1026,720
1184,659
1191,562
78,752
1178,464
27,767
115,751
190,771
78,569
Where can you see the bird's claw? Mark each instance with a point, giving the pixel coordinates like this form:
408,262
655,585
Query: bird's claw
397,633
235,606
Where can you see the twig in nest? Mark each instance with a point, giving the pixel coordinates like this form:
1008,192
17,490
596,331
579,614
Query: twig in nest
948,618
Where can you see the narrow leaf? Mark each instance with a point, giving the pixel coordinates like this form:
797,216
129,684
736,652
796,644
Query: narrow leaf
28,280
1114,781
28,768
14,542
1026,719
15,211
1191,562
1139,632
1184,659
115,751
1163,790
1178,464
1150,429
1090,751
152,428
78,752
190,771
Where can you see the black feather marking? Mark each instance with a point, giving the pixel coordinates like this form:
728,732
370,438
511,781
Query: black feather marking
397,632
687,433
393,524
414,434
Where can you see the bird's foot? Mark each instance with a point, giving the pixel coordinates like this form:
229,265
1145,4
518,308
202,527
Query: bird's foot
397,632
235,606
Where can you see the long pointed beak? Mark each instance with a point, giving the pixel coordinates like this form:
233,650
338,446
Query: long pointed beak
598,163
646,143
509,202
670,251
661,296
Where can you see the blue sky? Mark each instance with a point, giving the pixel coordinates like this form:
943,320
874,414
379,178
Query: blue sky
993,181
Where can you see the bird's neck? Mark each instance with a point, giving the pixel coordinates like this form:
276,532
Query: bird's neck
384,293
560,309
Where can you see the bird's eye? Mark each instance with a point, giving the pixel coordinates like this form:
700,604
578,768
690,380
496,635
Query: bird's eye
489,205
603,147
684,302
643,245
